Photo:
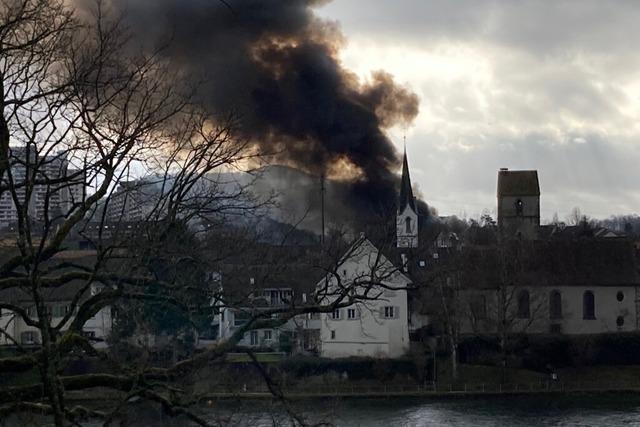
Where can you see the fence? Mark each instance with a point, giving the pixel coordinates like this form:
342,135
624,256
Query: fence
431,389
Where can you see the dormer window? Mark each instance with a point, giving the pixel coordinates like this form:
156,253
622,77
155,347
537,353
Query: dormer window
519,207
407,225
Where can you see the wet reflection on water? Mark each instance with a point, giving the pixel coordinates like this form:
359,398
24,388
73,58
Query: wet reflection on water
585,410
609,410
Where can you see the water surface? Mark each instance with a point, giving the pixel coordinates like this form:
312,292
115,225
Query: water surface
601,410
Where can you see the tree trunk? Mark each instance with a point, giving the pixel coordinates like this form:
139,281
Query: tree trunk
453,348
503,350
49,374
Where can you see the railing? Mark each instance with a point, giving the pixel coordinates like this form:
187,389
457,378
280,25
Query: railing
430,389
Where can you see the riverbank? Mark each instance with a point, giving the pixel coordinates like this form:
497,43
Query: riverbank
473,381
437,391
430,391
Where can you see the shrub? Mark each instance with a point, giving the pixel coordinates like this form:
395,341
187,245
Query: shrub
357,368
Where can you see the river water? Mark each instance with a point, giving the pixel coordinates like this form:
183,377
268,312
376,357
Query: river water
602,410
608,410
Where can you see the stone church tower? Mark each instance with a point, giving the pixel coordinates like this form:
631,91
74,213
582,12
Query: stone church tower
407,215
518,203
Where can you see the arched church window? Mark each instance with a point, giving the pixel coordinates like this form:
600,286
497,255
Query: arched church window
555,305
523,305
407,225
519,207
588,305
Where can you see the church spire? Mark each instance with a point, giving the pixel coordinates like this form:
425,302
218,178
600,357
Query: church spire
407,217
406,194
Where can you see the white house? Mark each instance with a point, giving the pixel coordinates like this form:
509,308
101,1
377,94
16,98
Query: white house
58,305
376,325
232,319
250,290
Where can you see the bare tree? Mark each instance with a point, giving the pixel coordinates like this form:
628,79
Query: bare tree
78,110
502,303
82,113
442,291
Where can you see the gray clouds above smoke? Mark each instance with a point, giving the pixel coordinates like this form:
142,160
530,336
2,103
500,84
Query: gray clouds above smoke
275,63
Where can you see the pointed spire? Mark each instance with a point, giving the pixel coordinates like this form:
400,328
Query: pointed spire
406,194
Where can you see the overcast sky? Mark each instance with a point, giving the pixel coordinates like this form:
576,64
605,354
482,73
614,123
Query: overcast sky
546,85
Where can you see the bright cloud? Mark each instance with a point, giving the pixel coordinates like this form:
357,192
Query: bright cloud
553,86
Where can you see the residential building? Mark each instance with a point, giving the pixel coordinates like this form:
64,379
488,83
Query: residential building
18,167
58,302
47,200
134,201
377,324
250,290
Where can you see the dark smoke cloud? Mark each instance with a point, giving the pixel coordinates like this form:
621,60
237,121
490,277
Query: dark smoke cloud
275,63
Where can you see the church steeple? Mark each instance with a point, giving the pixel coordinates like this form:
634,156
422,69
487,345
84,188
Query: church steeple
407,216
406,193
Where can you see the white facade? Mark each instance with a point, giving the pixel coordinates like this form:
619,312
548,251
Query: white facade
97,328
231,320
374,328
407,228
579,310
52,201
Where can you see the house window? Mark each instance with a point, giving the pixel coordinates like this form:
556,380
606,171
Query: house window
240,318
29,337
523,304
555,305
333,335
31,311
254,337
89,334
389,312
519,207
620,296
351,313
588,305
479,307
336,314
267,335
60,310
407,225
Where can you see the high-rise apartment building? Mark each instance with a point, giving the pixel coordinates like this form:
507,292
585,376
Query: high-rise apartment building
48,197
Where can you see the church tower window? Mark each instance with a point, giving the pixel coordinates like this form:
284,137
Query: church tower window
523,305
588,305
519,207
407,223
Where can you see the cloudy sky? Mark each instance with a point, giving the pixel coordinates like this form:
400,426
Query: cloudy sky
546,85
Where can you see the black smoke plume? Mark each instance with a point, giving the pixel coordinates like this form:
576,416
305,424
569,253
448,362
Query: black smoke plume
275,63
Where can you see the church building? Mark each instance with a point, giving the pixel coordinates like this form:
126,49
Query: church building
518,203
407,217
